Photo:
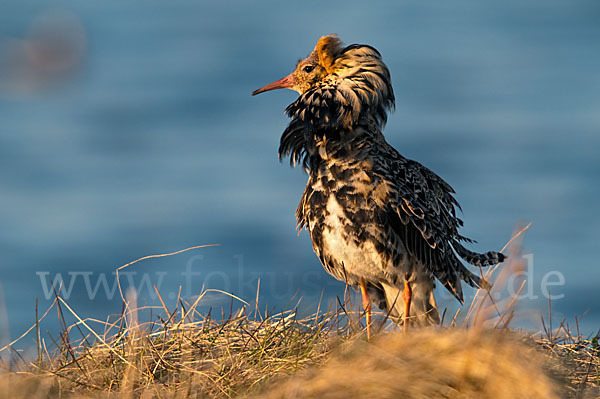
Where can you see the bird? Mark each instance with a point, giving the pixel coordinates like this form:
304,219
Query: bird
383,224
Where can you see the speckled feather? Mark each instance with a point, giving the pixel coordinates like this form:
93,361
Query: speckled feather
371,213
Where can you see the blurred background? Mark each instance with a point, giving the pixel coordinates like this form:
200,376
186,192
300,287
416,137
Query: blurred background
128,129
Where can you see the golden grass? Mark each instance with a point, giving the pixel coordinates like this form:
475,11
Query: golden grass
453,363
183,354
186,354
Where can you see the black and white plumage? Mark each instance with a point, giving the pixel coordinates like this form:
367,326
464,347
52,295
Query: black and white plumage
376,219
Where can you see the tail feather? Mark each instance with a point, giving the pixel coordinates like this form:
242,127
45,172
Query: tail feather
477,259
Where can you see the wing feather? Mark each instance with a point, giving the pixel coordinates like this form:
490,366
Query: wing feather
423,214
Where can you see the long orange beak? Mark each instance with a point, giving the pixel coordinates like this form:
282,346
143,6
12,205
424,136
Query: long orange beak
284,83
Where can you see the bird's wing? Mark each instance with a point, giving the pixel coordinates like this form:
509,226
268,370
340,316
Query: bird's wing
423,210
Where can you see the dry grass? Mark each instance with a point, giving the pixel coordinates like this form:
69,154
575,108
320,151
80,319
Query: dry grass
456,363
578,358
183,353
188,355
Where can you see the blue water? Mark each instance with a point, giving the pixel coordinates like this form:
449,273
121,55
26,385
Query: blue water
152,144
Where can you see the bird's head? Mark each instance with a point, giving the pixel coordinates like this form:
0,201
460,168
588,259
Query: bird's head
310,71
338,85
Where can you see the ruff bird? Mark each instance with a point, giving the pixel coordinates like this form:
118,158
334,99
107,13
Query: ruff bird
382,223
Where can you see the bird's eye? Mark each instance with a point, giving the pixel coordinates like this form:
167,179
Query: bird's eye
308,68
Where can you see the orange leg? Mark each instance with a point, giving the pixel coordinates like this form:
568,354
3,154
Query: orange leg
366,305
407,296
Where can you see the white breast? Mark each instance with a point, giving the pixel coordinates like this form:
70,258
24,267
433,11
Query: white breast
359,260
